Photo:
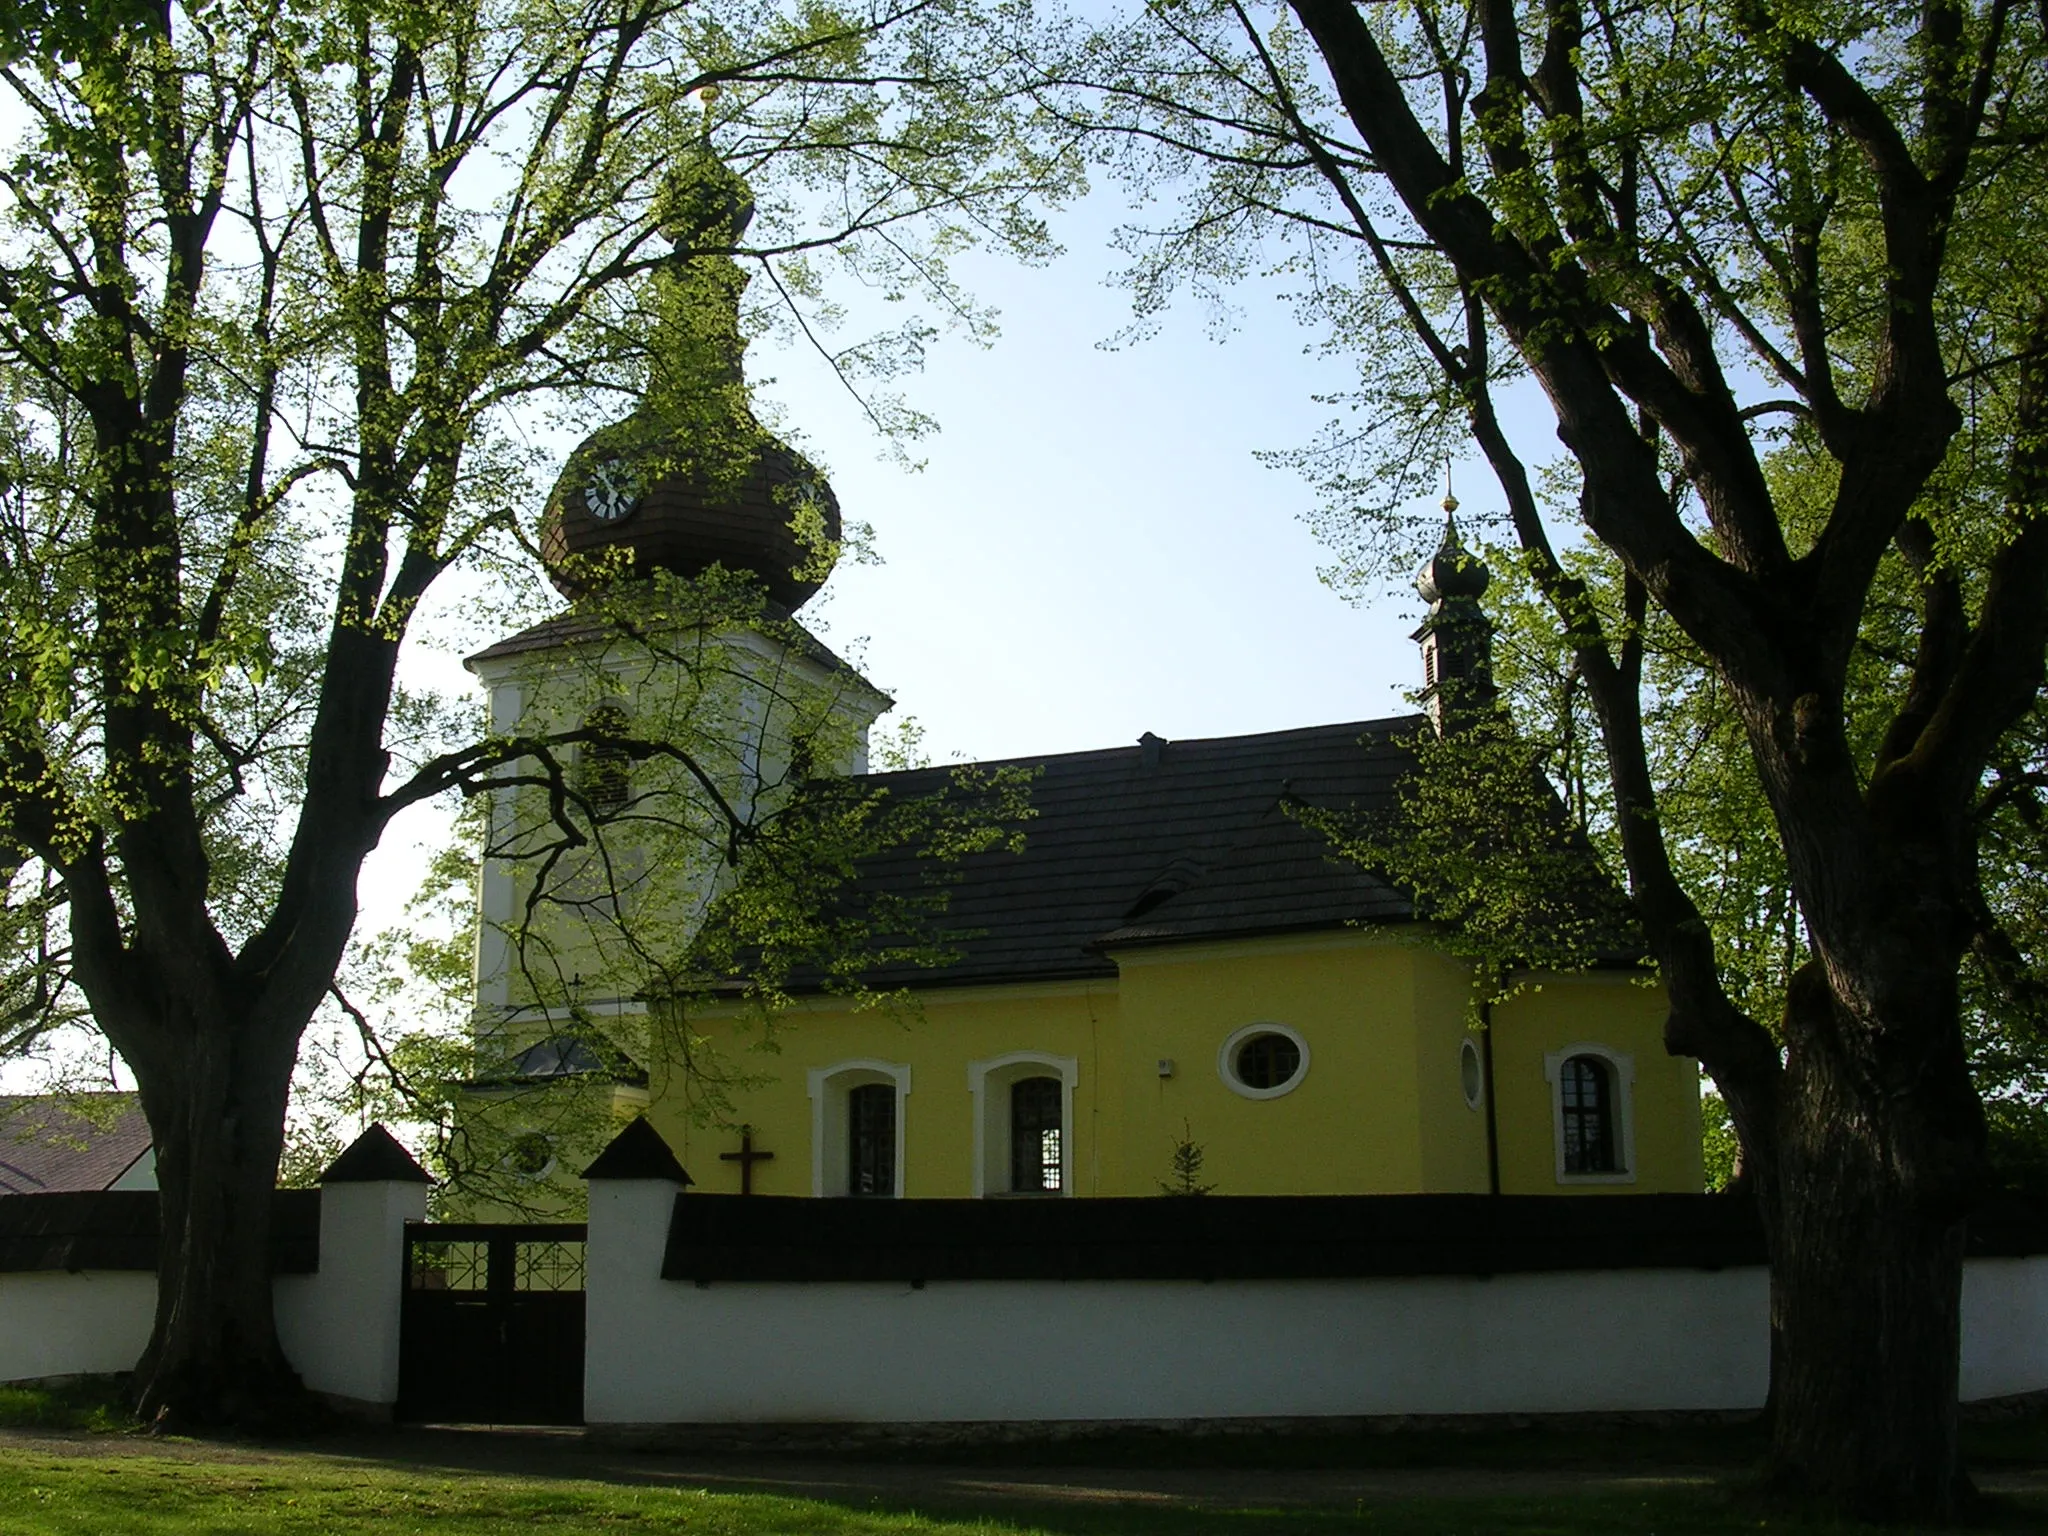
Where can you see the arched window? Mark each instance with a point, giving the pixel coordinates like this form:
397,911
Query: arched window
604,769
857,1113
1586,1107
871,1140
1035,1133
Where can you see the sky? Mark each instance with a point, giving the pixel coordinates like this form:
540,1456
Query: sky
1091,550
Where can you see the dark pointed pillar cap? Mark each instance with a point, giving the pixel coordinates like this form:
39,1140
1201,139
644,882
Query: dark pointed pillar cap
375,1157
638,1152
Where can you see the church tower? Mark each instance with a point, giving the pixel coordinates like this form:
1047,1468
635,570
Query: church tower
686,537
1456,636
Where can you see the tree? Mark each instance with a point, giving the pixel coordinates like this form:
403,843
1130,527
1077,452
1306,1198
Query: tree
283,292
1705,231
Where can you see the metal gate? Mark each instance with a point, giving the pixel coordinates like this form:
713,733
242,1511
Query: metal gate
492,1329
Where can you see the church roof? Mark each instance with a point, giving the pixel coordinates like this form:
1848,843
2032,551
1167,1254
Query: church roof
1161,842
54,1143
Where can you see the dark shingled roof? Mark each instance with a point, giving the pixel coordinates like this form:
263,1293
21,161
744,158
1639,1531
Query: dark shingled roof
55,1143
638,1152
1245,1237
110,1229
1161,842
375,1157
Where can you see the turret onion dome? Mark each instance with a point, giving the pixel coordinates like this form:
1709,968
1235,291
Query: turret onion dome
1453,571
691,479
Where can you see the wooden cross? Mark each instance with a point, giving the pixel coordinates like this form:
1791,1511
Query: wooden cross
746,1157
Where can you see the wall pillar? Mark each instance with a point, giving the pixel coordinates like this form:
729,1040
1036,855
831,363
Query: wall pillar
340,1326
633,1189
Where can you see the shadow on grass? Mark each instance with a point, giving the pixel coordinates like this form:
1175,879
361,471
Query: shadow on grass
98,1404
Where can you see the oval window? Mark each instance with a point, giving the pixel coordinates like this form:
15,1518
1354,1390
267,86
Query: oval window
1263,1061
1470,1074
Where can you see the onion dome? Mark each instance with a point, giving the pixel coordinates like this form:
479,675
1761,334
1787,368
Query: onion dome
1453,571
691,480
771,513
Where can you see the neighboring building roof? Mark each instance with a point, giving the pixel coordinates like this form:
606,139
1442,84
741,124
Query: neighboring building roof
61,1143
1161,842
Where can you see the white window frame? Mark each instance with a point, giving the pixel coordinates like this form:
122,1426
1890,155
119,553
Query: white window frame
992,1115
1468,1050
1622,1066
828,1088
1226,1059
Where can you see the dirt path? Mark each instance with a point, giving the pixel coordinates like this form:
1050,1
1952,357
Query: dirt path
566,1455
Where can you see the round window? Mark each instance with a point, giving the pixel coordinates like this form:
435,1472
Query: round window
531,1156
1263,1061
1471,1074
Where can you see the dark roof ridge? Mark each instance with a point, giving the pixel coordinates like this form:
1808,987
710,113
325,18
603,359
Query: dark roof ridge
375,1157
639,1152
1383,725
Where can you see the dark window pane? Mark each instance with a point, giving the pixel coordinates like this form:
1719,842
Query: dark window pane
871,1139
1587,1097
1267,1061
1035,1131
605,766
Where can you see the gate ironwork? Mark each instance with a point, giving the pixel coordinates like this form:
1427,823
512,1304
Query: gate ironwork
492,1327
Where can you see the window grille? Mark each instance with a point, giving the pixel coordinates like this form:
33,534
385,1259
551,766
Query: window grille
1035,1132
1586,1095
547,1266
451,1266
871,1140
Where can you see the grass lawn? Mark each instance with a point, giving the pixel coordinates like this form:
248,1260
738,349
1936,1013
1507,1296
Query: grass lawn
149,1495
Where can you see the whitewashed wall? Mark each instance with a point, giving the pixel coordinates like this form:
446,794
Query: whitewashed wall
58,1324
663,1352
339,1327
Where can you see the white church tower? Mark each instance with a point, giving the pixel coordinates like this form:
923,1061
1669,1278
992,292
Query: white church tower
678,697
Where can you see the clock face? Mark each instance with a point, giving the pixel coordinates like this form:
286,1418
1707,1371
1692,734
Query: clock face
611,493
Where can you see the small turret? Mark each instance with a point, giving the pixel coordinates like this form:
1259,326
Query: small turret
1456,636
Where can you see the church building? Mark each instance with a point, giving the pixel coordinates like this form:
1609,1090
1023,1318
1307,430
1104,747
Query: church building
1173,982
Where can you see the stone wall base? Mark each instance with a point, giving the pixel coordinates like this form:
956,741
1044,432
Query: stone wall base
839,1439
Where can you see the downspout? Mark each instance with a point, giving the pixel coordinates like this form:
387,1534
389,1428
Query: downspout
1486,1071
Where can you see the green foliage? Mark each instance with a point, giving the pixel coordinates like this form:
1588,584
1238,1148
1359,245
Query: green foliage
1721,1150
288,295
1481,840
1184,1167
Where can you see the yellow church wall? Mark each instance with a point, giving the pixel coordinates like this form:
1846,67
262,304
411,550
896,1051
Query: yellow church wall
951,1031
1453,1130
1382,1107
1356,1122
1663,1110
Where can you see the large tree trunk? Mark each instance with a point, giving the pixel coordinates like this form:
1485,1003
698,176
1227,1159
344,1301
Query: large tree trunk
1872,1187
217,1113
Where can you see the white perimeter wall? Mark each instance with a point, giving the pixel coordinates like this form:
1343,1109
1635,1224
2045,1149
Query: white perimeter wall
834,1352
339,1327
57,1324
669,1352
